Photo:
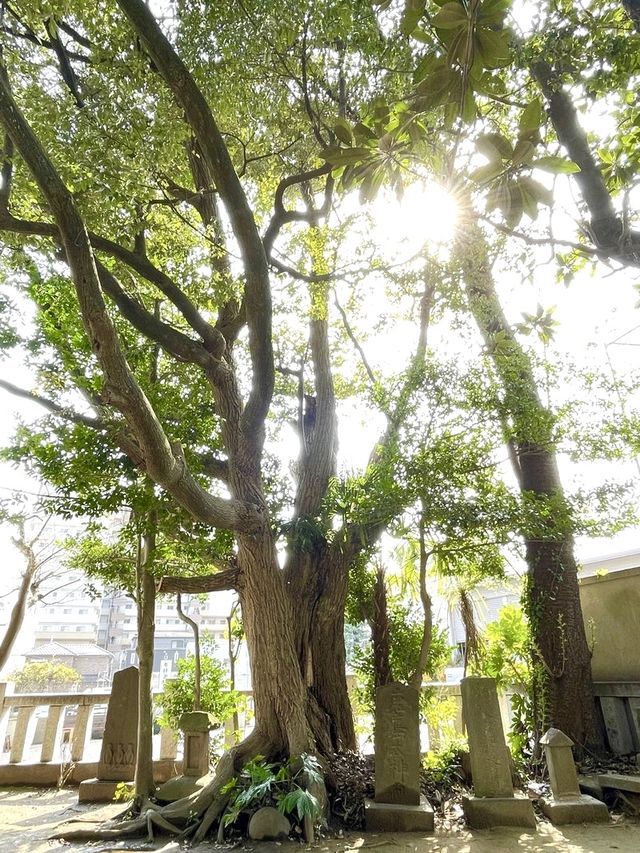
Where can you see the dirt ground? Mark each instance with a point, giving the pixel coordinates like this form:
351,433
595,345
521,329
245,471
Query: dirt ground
28,816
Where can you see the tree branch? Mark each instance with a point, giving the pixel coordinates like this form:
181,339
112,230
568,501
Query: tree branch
223,580
171,340
216,155
164,463
282,216
354,340
607,228
54,408
212,339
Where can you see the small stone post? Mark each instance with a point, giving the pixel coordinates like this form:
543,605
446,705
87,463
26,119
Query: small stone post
195,726
494,803
567,804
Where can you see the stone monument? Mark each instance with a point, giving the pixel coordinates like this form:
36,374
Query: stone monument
398,804
119,743
567,804
195,726
493,803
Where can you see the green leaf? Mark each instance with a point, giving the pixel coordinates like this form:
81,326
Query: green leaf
494,146
345,156
452,16
532,117
492,12
487,173
362,132
536,190
523,153
557,165
493,48
342,130
413,12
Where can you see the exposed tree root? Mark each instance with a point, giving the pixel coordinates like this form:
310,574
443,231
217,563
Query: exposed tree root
190,816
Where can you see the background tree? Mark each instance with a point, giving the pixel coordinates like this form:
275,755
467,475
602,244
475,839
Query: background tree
33,542
45,677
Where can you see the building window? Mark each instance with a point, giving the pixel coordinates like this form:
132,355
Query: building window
67,610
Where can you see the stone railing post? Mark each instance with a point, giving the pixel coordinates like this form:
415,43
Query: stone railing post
20,734
168,744
51,732
79,739
4,714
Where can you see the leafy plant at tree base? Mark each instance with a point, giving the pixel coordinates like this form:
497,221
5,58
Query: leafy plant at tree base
45,677
216,697
268,784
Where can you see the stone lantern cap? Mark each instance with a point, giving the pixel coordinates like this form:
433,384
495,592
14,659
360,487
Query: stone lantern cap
198,721
554,737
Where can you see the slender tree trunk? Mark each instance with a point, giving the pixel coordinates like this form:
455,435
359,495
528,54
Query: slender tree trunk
146,596
20,607
552,598
233,655
197,674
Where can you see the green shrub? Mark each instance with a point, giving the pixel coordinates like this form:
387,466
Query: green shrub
178,695
281,785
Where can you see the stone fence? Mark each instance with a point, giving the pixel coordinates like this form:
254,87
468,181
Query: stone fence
61,724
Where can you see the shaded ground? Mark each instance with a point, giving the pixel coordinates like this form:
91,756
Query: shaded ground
28,816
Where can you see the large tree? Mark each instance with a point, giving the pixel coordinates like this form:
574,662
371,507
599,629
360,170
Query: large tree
182,278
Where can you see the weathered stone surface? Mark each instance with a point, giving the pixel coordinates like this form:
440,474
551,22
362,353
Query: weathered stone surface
580,809
392,817
397,745
268,823
181,786
98,790
591,785
196,754
620,781
485,812
197,721
633,707
490,761
562,769
617,725
118,755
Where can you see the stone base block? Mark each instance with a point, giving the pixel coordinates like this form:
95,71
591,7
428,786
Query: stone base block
583,809
591,785
99,791
396,817
485,812
181,786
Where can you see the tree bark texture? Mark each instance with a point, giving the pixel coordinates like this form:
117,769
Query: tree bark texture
146,600
552,598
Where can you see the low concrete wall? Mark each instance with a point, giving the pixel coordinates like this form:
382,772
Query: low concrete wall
611,610
49,774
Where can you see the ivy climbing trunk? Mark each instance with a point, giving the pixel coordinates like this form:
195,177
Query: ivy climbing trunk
552,598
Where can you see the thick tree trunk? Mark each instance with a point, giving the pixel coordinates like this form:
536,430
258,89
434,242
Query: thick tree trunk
146,589
328,688
279,692
552,599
